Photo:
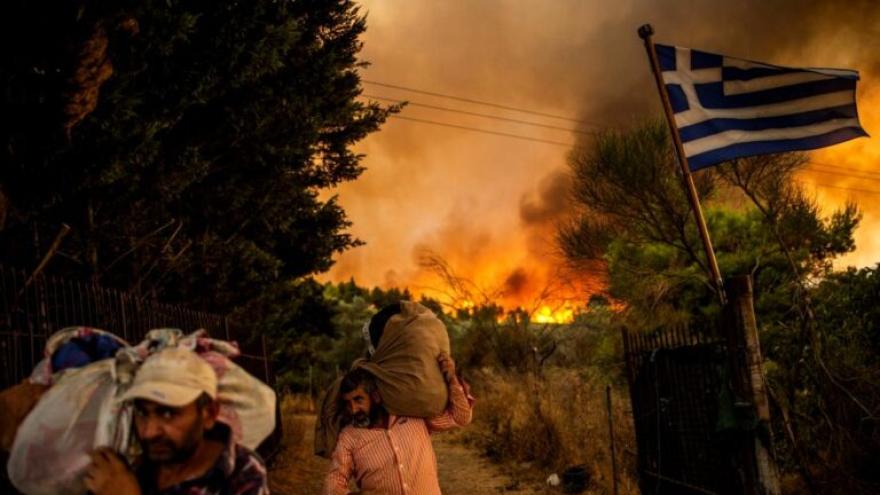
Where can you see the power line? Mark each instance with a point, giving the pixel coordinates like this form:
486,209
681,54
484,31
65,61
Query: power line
476,114
831,165
484,131
569,145
841,174
478,102
846,170
851,189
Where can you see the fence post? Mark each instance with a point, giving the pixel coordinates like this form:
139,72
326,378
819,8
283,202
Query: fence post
123,316
610,437
744,335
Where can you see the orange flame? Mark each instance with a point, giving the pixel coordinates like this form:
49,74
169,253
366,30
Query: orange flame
547,314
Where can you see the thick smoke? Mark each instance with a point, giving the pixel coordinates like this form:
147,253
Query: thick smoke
488,204
549,203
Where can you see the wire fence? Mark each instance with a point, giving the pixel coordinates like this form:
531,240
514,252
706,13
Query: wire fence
33,308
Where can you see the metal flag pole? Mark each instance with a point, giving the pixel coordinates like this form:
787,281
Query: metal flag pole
645,32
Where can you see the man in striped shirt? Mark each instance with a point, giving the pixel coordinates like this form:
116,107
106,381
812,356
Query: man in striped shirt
388,454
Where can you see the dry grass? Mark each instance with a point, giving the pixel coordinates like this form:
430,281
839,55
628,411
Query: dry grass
532,426
553,422
296,470
462,471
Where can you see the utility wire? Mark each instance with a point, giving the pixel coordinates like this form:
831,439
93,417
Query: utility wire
841,174
484,131
868,175
478,102
831,165
507,107
476,114
569,145
840,167
851,189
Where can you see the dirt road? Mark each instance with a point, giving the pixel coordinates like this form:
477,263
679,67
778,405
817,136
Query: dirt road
462,471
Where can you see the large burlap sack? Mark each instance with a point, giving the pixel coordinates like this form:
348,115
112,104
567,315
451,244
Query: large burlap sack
406,372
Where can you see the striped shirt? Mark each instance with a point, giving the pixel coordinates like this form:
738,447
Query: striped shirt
398,460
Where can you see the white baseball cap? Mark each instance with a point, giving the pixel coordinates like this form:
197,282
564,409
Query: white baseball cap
173,377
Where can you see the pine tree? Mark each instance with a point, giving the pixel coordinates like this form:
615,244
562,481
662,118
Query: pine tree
185,143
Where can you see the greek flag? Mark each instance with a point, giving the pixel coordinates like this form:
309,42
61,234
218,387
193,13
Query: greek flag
728,108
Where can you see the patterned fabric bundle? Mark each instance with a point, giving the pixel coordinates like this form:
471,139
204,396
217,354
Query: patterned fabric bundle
81,412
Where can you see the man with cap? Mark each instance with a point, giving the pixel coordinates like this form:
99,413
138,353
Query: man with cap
185,449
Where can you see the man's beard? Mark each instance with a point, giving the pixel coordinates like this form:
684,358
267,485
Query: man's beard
164,451
365,420
361,420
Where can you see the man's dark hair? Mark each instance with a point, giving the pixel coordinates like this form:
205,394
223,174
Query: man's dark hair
350,382
355,378
380,319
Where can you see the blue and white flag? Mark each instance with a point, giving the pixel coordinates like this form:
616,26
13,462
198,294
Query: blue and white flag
728,108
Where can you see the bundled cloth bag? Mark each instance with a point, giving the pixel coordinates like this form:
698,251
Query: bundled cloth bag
69,348
404,365
74,347
15,404
51,449
81,412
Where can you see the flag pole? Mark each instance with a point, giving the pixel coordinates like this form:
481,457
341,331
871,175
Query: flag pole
645,32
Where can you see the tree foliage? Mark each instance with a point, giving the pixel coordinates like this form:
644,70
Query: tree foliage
817,335
185,143
634,215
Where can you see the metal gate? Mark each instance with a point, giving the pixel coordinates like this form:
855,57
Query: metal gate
696,408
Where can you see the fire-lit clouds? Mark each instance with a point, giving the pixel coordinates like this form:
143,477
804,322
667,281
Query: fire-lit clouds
488,204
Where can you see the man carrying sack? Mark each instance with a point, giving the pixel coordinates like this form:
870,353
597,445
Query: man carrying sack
388,406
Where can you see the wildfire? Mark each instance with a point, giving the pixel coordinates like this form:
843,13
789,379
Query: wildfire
546,314
547,293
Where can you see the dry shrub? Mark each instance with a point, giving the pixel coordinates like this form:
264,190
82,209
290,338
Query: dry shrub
554,421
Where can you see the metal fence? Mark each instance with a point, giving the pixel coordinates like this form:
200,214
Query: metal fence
32,309
675,384
697,416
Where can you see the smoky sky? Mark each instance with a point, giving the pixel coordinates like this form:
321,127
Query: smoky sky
549,202
489,204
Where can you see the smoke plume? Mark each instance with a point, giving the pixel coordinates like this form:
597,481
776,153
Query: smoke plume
488,204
